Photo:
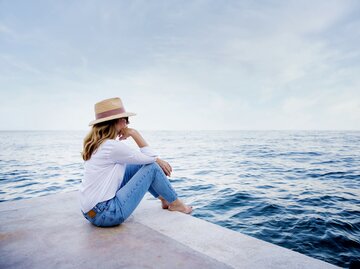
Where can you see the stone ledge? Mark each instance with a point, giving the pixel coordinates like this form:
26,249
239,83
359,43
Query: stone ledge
50,232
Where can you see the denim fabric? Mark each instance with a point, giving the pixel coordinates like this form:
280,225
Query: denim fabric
138,179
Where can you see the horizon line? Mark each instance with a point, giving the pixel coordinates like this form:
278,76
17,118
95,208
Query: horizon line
176,130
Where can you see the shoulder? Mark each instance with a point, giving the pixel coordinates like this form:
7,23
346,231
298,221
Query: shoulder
113,142
108,144
116,145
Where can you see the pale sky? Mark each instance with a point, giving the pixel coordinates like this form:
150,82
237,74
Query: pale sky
181,65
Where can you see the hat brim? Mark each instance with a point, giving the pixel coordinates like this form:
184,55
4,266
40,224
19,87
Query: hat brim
117,116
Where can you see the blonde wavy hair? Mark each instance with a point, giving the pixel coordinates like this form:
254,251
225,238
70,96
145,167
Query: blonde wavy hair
97,135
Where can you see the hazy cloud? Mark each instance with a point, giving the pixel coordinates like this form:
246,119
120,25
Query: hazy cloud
181,65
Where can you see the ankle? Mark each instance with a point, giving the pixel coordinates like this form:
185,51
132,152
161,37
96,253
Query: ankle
176,202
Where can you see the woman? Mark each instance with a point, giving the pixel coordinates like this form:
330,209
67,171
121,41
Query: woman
117,176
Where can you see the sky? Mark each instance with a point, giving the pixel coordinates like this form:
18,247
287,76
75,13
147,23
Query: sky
181,65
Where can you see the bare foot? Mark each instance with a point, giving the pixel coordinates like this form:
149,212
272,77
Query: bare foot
180,206
164,203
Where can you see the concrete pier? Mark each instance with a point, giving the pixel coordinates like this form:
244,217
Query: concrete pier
50,232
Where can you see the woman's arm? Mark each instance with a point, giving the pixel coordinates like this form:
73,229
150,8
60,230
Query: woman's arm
140,141
122,153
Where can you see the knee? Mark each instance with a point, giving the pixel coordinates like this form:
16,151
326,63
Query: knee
152,166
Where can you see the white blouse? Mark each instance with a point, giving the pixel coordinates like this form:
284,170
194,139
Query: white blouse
104,171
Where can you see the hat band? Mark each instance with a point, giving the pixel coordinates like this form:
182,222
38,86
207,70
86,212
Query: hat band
110,113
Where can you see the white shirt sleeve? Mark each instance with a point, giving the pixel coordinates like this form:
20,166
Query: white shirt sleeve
148,151
122,153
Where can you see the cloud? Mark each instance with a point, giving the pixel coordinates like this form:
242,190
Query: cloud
194,65
5,29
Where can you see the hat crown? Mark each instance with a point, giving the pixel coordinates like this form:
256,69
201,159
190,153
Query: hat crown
108,104
109,109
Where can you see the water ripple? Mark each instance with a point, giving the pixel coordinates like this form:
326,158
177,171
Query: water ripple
297,189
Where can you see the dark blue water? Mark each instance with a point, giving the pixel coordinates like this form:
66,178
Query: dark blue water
296,189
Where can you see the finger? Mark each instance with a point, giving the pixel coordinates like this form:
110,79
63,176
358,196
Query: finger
166,171
166,168
162,166
169,168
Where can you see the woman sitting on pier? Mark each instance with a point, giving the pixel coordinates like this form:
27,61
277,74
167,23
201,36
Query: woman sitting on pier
116,176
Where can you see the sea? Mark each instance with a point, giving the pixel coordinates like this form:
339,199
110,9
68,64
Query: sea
295,189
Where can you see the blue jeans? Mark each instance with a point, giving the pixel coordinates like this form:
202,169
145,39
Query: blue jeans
138,179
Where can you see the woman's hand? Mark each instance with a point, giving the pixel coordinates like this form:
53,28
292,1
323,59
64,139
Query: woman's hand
125,133
165,166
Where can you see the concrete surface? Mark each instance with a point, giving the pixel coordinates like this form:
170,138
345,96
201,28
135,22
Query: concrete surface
50,232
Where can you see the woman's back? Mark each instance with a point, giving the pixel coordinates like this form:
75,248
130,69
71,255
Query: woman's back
102,176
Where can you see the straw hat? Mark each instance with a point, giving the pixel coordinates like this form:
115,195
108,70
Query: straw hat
110,109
